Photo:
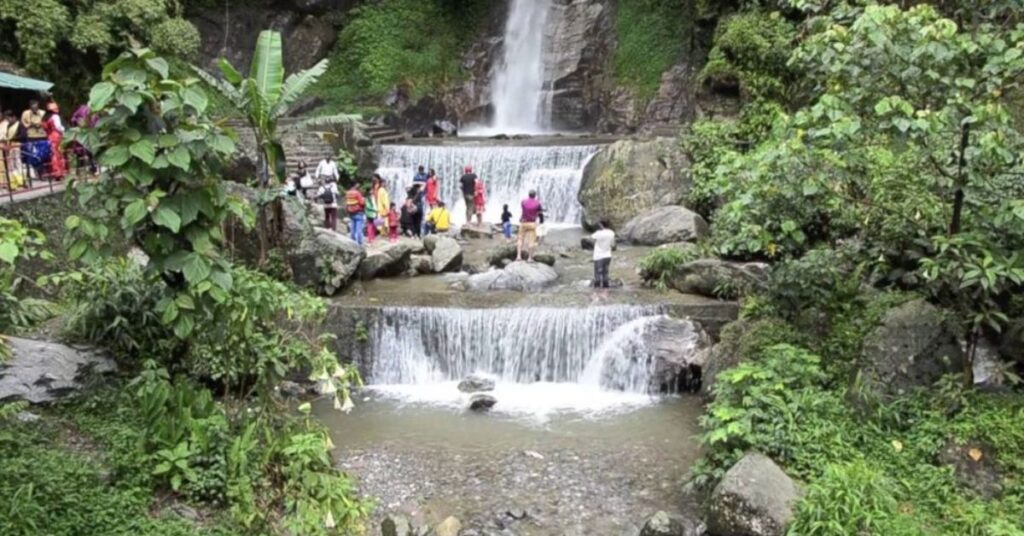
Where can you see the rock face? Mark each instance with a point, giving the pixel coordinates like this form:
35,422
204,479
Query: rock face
476,383
913,347
754,498
716,278
481,402
576,56
327,261
521,276
663,524
974,465
40,372
307,28
631,177
446,255
664,225
385,259
678,348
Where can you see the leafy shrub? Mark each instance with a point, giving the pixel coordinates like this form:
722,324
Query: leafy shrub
175,37
17,245
851,498
823,279
775,405
658,265
751,49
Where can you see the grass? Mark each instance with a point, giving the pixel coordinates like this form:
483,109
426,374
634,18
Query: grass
652,35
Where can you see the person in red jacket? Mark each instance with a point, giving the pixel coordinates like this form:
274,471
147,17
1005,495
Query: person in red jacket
393,223
432,189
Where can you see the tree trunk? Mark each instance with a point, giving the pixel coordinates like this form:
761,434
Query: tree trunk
961,181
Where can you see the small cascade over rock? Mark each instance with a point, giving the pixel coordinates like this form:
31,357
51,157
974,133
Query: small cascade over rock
602,347
508,172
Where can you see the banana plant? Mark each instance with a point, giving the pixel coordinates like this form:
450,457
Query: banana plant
265,96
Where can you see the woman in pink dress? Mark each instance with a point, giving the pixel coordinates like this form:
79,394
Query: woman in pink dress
55,134
478,201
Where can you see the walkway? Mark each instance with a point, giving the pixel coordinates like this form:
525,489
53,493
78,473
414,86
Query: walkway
37,190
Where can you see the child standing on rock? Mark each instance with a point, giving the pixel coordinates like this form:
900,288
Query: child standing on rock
506,222
393,223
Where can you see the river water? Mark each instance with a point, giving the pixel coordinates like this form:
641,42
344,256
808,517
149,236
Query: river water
594,472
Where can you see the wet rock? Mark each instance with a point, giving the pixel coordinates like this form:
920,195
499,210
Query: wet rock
449,527
473,232
396,525
914,346
429,242
40,372
482,402
476,383
388,259
678,348
544,258
501,253
519,276
421,264
754,498
444,129
663,225
988,367
1012,345
186,512
446,255
974,466
327,261
716,278
632,177
27,416
663,524
290,389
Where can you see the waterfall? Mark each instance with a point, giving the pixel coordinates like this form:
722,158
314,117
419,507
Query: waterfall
508,172
597,347
517,87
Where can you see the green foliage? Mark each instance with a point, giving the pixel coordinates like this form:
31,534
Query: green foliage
751,51
160,189
651,37
660,263
176,37
17,245
775,405
417,45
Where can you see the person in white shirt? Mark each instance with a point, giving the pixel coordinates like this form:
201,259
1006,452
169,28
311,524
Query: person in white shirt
327,170
604,241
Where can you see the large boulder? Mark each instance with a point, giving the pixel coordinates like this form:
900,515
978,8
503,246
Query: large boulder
396,525
631,177
40,371
385,259
446,255
678,348
739,341
663,524
498,255
326,261
664,225
520,276
449,527
754,498
717,278
914,346
974,466
477,383
481,402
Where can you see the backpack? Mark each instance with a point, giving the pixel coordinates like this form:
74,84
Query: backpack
328,196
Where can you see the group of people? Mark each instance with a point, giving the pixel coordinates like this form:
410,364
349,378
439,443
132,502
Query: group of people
32,144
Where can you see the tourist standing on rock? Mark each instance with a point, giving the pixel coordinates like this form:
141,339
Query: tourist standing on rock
419,182
604,241
393,219
381,200
327,170
506,222
328,195
371,216
478,201
420,176
54,128
468,184
439,220
432,189
355,205
410,225
528,226
35,148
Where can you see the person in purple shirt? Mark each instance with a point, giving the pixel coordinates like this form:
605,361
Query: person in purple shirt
528,226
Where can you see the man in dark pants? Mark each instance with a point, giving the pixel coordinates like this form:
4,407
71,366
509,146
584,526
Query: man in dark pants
604,241
468,185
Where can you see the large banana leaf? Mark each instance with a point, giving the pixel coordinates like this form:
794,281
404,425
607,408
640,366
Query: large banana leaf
223,87
296,85
268,66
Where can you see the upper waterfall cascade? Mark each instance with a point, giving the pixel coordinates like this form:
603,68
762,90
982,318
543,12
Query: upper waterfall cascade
508,173
521,102
598,347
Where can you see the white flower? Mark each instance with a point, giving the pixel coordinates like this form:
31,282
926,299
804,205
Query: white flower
339,372
329,520
329,443
347,407
337,404
327,387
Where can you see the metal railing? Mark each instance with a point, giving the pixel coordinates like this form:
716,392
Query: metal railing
18,175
